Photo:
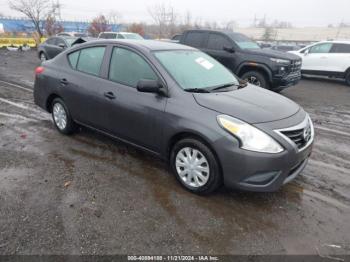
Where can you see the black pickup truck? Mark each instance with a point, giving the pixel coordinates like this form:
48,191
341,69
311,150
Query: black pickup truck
266,68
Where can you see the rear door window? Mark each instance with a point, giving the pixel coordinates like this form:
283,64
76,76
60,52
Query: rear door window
218,42
341,48
195,39
51,41
128,67
90,60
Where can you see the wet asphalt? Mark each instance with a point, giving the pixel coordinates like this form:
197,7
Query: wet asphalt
88,194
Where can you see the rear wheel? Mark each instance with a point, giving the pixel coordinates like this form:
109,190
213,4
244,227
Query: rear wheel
195,166
256,78
61,117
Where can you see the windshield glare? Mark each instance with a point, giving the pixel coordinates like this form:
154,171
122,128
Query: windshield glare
244,42
194,69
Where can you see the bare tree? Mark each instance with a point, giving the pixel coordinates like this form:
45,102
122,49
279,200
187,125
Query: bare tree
52,27
137,28
98,25
230,25
35,10
165,19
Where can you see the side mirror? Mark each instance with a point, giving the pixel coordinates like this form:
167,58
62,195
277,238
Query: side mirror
306,52
62,45
229,49
149,86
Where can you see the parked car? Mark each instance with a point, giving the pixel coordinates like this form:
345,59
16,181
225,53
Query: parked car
262,67
55,45
328,58
73,34
285,47
120,35
182,105
176,38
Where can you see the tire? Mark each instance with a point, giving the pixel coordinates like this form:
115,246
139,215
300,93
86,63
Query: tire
62,117
42,57
347,79
211,175
256,78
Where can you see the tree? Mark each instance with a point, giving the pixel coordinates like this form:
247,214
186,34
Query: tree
98,25
165,19
35,10
268,34
137,28
51,26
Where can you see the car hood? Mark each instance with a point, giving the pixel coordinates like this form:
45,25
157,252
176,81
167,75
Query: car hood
250,104
272,54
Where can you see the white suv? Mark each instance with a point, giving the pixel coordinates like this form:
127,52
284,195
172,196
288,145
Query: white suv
120,35
328,58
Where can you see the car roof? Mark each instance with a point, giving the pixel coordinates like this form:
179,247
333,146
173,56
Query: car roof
336,41
151,45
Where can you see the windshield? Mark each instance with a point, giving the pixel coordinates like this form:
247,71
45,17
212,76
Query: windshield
195,70
244,42
133,36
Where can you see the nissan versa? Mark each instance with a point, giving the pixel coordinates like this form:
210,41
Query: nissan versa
182,105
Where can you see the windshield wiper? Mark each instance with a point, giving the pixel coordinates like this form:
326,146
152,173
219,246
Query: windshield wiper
197,90
223,86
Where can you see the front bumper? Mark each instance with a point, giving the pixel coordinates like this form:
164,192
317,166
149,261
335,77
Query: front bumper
283,82
262,172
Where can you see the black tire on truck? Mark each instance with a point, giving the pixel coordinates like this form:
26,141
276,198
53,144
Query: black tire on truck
256,78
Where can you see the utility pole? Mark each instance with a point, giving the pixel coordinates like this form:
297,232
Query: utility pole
339,28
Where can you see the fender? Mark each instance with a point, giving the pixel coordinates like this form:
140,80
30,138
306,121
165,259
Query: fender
255,65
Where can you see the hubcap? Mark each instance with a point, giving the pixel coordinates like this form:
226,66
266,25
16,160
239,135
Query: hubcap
253,80
60,116
192,167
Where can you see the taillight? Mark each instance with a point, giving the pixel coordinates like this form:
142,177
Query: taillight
39,70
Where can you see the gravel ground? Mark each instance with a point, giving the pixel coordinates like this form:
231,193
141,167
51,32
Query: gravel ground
88,194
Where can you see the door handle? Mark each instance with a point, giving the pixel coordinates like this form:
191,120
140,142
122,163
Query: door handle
64,82
109,95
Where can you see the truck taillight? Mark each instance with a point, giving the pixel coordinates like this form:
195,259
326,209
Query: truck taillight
39,70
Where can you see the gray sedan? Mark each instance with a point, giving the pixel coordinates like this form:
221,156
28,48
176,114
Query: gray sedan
181,105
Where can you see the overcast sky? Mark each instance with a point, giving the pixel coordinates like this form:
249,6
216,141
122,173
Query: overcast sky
298,12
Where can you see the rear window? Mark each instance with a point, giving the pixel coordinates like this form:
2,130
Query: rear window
194,39
243,41
341,48
51,41
90,60
108,36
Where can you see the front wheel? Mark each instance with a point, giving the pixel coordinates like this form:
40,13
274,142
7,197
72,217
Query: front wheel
43,57
62,118
347,79
195,166
256,78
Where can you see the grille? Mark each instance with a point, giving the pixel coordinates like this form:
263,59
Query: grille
299,136
295,66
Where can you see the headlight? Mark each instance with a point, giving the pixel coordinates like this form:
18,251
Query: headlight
251,138
280,61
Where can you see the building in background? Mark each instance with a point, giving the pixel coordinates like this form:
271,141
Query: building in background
22,25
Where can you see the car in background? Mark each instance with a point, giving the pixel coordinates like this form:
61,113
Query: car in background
73,34
56,44
262,67
176,38
327,58
182,105
285,47
119,35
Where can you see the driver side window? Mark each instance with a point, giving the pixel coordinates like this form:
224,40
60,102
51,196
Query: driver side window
128,68
321,48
